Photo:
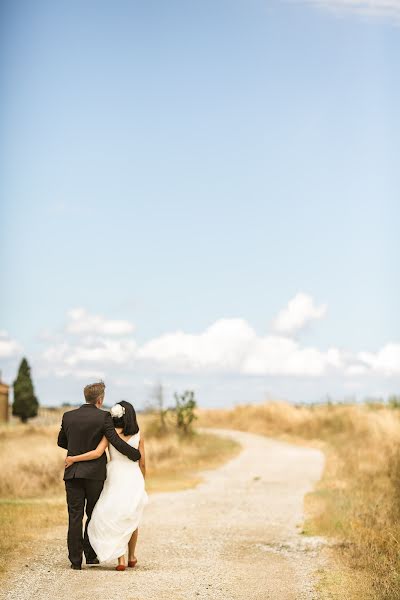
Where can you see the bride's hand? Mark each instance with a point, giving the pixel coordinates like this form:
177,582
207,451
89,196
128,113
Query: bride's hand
69,460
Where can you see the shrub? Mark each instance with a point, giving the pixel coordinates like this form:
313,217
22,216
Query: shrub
185,407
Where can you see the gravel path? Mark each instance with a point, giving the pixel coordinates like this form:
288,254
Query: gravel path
235,536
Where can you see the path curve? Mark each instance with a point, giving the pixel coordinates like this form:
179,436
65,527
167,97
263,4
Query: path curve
236,536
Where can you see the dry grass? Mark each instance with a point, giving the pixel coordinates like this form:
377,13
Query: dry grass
31,461
31,486
357,501
174,462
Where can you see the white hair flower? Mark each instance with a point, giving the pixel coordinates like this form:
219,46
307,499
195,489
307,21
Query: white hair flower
117,411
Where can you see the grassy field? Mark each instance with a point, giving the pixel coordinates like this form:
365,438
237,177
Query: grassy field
357,502
32,490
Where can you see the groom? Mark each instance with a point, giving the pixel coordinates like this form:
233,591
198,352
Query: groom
81,431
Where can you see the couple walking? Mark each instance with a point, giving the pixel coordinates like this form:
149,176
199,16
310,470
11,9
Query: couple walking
114,493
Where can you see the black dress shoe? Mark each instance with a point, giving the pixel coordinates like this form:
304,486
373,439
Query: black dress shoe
92,561
76,567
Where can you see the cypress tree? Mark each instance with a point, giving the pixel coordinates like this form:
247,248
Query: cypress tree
25,405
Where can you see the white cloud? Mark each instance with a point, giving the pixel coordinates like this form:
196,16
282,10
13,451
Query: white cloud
299,311
389,9
386,361
8,347
82,322
275,355
94,375
231,345
222,346
228,346
96,350
356,369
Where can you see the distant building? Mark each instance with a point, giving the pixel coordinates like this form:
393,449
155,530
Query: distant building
4,409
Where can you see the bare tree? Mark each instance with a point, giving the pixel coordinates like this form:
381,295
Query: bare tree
157,405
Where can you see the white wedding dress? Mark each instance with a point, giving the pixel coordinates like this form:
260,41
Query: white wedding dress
119,508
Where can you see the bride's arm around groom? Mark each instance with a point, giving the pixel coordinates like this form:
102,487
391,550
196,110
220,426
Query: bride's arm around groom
72,435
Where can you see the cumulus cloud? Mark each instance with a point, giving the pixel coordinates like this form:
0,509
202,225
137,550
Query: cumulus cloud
386,361
228,346
81,321
299,311
91,350
356,369
8,346
93,374
232,346
389,9
275,355
222,346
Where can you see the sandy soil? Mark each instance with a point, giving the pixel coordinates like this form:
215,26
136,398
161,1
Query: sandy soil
235,536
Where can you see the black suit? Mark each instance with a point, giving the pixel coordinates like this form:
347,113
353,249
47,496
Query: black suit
81,431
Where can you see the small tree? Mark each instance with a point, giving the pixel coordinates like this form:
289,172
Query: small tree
162,411
156,405
185,407
25,405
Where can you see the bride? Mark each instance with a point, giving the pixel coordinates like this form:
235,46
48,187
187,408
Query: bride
115,518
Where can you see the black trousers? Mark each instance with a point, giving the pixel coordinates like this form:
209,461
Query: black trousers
80,492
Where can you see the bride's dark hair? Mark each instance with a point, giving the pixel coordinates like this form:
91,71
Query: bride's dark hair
128,421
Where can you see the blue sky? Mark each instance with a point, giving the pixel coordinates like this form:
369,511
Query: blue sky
173,166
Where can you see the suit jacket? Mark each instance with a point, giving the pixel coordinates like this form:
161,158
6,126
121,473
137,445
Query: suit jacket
81,431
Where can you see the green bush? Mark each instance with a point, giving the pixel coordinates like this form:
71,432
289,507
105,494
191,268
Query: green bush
394,401
184,408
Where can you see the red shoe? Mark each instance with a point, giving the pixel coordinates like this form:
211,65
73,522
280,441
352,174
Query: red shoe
132,563
120,568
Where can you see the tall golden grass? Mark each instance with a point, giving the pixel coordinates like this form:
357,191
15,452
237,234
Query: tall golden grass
357,502
32,463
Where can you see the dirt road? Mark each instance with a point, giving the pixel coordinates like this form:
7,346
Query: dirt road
235,536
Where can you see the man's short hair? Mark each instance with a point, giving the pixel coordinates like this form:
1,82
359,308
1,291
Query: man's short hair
94,391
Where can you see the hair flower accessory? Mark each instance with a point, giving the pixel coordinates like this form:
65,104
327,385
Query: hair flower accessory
117,411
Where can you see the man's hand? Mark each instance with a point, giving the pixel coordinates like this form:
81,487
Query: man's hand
69,461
